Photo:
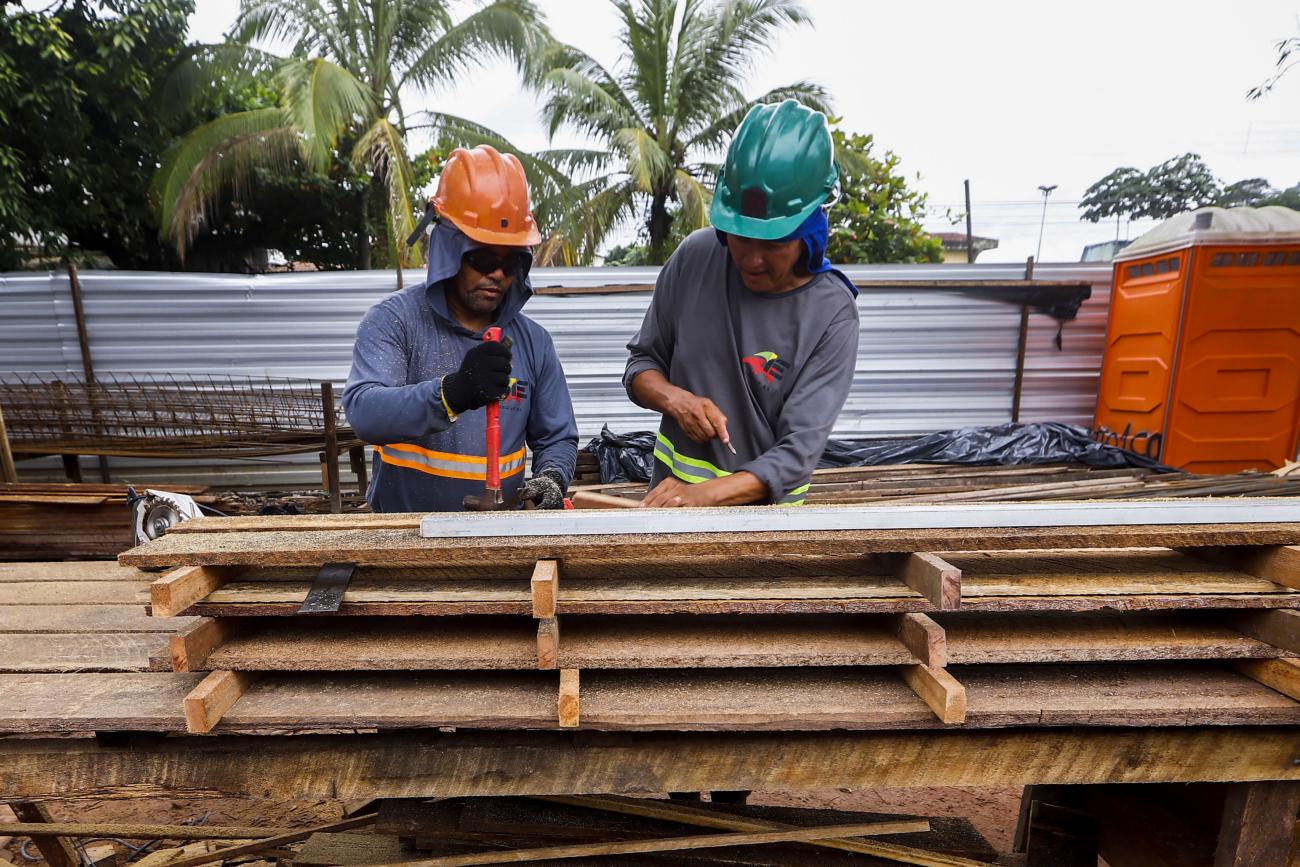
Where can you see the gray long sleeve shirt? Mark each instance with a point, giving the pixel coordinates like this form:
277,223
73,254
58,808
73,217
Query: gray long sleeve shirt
778,366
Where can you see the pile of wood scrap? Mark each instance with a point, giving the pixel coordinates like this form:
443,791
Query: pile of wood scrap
947,483
41,521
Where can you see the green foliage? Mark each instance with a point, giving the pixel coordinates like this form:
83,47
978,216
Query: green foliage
1288,55
79,134
877,218
338,109
1174,187
654,123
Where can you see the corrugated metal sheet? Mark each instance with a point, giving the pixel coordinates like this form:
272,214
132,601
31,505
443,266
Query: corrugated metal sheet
928,360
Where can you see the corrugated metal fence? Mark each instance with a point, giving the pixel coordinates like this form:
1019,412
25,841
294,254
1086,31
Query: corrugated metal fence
928,360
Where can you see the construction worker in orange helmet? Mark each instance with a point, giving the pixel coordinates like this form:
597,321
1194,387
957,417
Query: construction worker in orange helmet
422,372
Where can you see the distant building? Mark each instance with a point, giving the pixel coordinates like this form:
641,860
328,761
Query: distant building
954,245
1106,251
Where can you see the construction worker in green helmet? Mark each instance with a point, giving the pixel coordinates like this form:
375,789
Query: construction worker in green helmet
750,342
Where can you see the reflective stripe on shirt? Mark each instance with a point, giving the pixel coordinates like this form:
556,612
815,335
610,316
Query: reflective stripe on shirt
695,470
447,464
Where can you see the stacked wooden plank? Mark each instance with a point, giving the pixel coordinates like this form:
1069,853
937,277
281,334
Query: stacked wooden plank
948,483
765,630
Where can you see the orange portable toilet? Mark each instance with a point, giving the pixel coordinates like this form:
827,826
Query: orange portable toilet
1202,361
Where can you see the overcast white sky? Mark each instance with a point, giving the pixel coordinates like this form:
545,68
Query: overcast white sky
1009,93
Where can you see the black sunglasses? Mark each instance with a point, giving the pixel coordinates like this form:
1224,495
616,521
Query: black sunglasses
485,261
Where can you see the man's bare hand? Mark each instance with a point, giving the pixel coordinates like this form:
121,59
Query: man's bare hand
671,493
699,417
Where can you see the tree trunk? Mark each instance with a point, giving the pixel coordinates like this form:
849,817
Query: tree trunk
363,230
660,225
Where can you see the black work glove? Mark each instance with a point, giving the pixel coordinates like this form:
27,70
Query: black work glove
546,490
484,376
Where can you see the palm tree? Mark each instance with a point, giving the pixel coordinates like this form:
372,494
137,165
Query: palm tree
656,122
339,97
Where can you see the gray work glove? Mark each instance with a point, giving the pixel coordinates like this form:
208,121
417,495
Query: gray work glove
546,490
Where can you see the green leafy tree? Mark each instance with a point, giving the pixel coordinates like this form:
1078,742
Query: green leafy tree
877,217
79,133
1177,185
654,123
1288,55
339,102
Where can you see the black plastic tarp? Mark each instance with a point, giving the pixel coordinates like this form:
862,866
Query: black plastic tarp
630,457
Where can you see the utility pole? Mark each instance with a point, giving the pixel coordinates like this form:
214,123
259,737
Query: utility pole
970,240
1047,191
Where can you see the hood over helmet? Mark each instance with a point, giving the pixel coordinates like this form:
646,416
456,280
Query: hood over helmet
447,244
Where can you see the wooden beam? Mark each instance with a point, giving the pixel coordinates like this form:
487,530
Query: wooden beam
401,548
548,642
8,472
216,694
1258,824
191,646
686,815
924,638
568,705
545,585
1277,563
932,577
667,844
466,763
1282,675
171,594
270,842
1279,628
938,689
140,831
56,851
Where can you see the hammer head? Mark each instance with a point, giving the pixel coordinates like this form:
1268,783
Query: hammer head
490,501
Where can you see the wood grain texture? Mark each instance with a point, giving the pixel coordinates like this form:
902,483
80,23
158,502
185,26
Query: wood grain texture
427,764
216,694
54,703
375,644
194,643
1259,824
1282,675
569,713
939,690
984,638
390,547
545,587
1278,628
56,851
1279,564
548,642
71,652
932,577
179,589
82,619
43,592
924,638
76,570
597,500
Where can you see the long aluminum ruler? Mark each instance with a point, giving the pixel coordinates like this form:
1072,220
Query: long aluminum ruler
766,519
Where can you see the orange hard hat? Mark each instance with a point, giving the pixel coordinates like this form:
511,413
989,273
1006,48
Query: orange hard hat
485,194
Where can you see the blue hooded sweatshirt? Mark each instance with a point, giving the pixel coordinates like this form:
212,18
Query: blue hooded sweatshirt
425,461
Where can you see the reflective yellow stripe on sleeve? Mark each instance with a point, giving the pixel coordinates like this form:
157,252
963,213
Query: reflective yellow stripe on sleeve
695,470
448,465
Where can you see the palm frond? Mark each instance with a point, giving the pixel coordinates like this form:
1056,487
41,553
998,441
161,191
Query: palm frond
694,198
510,29
382,147
204,75
321,100
718,132
647,164
218,156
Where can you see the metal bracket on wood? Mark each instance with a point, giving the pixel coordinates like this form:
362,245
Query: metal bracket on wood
326,593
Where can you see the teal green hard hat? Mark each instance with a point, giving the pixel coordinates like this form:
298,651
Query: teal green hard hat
780,167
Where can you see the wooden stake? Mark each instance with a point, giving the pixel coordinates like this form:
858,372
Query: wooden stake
669,844
215,694
925,638
8,472
181,588
939,689
191,646
548,642
1280,628
687,815
545,587
332,484
568,698
932,577
57,851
